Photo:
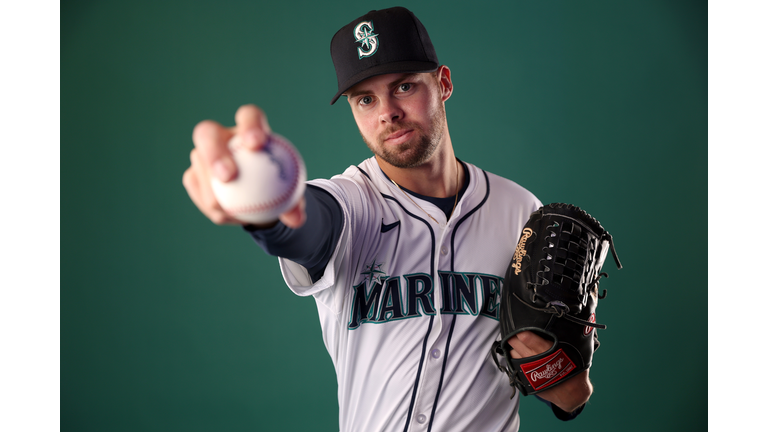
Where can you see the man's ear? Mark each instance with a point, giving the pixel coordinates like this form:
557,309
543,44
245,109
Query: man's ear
444,80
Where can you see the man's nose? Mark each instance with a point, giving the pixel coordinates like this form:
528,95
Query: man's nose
390,111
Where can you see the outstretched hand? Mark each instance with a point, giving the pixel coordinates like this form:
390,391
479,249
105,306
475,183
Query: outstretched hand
211,157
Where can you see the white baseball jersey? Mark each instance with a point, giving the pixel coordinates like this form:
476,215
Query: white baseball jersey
409,307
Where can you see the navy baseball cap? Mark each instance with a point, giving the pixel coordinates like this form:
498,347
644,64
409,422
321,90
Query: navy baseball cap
381,42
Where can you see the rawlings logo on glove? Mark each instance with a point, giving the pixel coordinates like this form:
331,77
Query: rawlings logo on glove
520,250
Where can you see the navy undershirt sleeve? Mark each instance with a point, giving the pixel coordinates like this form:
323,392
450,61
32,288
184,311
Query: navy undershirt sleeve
560,414
313,244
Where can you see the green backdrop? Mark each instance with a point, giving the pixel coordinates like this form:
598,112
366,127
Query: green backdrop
170,323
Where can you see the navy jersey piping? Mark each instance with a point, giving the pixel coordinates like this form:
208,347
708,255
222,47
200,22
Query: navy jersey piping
453,322
442,373
466,216
365,174
431,318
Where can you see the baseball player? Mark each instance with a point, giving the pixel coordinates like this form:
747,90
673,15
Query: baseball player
405,253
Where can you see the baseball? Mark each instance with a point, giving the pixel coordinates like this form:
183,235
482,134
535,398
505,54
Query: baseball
269,181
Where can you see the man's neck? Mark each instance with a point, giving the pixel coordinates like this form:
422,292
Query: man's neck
440,177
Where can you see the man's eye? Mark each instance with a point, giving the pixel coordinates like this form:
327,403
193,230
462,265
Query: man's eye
365,100
405,87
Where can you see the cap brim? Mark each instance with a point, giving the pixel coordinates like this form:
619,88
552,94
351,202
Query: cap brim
388,68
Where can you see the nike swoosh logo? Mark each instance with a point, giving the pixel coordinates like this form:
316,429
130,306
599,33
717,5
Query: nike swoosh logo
390,227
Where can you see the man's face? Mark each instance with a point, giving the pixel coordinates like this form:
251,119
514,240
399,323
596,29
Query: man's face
401,117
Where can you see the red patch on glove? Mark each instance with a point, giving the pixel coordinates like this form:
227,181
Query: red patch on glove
549,370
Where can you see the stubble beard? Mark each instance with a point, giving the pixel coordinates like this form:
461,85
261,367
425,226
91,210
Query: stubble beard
418,150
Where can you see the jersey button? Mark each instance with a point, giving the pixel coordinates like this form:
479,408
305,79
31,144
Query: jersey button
444,250
421,418
435,353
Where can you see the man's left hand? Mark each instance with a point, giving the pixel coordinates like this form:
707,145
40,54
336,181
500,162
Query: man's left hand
568,395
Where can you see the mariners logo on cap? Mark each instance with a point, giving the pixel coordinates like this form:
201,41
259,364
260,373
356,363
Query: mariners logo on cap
364,34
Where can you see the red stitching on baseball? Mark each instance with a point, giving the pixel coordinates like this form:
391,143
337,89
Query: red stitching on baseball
276,202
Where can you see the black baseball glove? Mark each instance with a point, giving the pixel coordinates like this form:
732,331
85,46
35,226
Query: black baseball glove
551,288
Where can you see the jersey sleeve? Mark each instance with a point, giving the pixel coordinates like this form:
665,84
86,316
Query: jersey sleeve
312,245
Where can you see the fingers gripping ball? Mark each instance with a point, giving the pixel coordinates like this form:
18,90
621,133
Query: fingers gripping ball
551,289
270,181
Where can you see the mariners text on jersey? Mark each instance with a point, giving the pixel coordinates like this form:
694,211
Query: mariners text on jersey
383,299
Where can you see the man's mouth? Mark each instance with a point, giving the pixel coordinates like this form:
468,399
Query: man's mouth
398,137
